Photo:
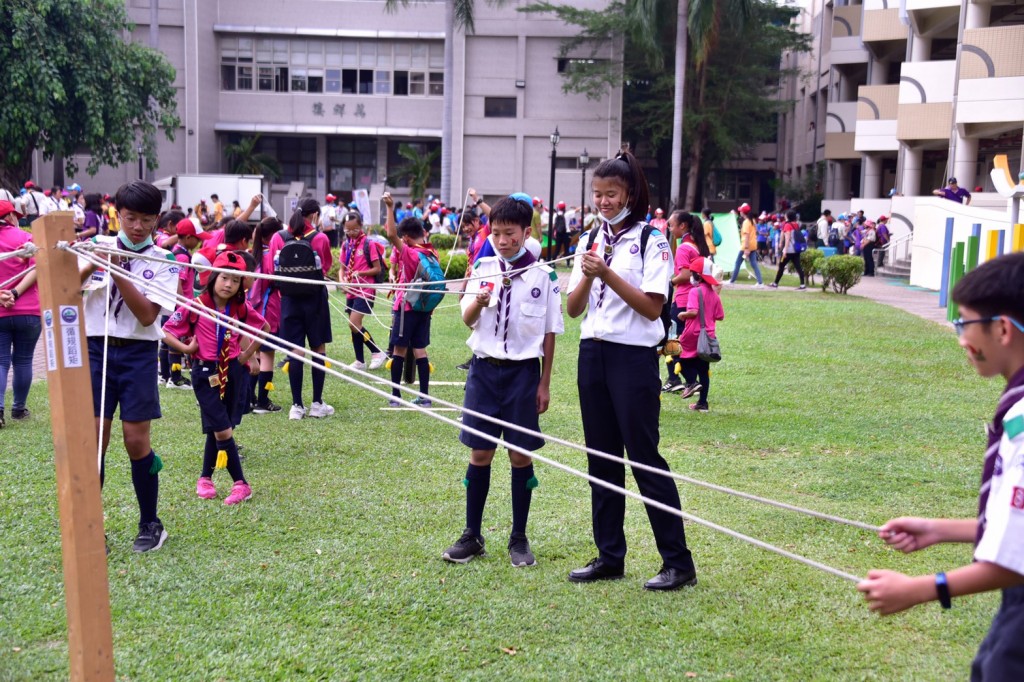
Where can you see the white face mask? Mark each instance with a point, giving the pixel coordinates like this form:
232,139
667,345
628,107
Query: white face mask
623,214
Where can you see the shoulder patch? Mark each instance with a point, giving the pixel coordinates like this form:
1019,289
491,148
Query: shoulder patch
553,276
171,257
1014,427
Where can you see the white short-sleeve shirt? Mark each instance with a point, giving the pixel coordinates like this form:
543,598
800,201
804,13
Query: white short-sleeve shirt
534,309
1003,540
161,285
651,272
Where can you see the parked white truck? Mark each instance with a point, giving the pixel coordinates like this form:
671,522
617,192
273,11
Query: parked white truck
188,190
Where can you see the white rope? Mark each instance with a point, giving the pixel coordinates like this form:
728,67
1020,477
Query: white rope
103,379
27,250
7,283
308,357
458,231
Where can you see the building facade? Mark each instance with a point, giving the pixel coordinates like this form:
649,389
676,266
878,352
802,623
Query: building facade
333,88
903,95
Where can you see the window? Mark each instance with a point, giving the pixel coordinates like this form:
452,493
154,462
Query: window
295,155
382,82
417,83
437,84
396,161
731,185
333,83
570,64
500,107
401,82
351,163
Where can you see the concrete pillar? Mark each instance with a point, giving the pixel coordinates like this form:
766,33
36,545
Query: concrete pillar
321,169
841,181
977,15
920,49
909,181
966,163
872,186
879,72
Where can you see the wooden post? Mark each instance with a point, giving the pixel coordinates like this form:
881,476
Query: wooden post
86,590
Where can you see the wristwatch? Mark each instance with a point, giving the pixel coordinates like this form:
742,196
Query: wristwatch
942,588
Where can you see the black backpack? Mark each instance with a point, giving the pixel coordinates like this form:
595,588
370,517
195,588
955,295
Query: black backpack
382,274
666,308
298,259
560,228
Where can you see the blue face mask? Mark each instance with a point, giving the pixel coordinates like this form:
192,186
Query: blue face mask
127,243
623,214
516,257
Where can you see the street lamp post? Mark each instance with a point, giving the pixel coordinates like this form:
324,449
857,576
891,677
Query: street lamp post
555,137
141,171
584,162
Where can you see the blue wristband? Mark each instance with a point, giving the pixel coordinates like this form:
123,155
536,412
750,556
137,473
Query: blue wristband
942,587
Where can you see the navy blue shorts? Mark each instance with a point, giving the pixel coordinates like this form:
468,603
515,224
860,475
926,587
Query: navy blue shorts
506,392
1001,654
358,305
306,319
412,332
219,414
131,379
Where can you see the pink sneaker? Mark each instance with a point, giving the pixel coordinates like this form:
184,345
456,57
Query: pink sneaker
205,488
240,492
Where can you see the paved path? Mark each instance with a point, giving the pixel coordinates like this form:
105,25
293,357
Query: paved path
894,292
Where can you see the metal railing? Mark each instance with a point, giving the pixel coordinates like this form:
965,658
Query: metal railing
896,251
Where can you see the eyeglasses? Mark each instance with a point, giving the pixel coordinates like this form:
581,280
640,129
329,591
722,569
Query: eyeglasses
960,323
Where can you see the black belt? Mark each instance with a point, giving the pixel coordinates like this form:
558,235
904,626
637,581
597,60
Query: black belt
504,363
118,342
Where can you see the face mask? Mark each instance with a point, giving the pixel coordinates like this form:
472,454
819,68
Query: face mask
122,236
623,214
516,257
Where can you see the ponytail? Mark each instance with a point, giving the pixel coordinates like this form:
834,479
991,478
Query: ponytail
305,208
625,168
267,228
700,238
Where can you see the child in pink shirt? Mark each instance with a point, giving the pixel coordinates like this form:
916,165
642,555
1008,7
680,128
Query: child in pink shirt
696,371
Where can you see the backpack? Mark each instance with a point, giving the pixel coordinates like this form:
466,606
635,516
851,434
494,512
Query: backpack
666,308
716,236
560,228
799,241
298,259
428,276
382,273
833,233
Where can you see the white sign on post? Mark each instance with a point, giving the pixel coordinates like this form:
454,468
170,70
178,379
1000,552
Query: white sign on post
71,340
51,346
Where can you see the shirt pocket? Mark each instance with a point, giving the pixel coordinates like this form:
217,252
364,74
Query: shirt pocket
531,320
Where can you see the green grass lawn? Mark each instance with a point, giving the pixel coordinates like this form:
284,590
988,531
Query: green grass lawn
333,569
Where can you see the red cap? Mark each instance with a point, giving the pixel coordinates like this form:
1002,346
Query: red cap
882,218
46,192
705,268
744,208
30,185
537,201
560,206
230,260
186,228
658,211
7,207
330,197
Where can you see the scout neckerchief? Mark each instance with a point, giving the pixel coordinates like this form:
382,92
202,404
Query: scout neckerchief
505,297
610,240
1013,393
115,292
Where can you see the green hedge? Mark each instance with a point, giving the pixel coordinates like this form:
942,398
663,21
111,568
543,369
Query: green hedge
443,242
841,273
811,261
459,263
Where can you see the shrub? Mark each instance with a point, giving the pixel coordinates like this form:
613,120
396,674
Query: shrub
455,264
841,272
443,242
811,262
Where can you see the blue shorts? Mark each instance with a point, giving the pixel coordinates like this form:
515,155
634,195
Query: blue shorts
131,378
358,305
220,414
411,332
507,392
1001,654
306,319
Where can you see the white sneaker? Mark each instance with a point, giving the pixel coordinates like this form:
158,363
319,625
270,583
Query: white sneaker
356,365
377,360
297,412
320,410
759,286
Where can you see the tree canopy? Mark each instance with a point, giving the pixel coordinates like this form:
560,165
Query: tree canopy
75,85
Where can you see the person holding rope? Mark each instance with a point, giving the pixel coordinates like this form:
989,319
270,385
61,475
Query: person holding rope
410,329
19,313
361,263
621,282
305,312
505,379
221,380
991,331
123,336
266,299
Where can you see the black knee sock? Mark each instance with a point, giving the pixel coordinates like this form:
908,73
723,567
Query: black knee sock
103,469
295,380
409,370
673,373
253,380
262,392
318,381
423,369
165,363
175,360
146,479
357,345
397,365
209,456
374,348
234,464
523,483
478,483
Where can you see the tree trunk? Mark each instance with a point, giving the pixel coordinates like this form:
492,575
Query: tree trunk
677,104
13,176
449,103
698,144
58,170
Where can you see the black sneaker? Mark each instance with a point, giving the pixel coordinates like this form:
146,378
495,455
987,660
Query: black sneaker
519,551
465,548
671,386
690,389
266,409
464,366
150,538
2,422
18,415
180,382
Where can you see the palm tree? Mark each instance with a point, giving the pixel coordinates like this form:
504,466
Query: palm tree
245,160
416,172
